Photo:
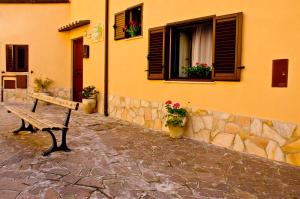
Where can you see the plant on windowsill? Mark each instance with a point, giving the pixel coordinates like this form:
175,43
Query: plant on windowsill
89,99
175,119
133,29
199,71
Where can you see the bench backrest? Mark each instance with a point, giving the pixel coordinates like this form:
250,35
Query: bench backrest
57,101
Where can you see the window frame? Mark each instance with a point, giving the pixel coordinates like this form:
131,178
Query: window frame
13,57
184,24
127,16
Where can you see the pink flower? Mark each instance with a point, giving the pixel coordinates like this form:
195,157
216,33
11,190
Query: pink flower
197,63
168,102
204,65
176,105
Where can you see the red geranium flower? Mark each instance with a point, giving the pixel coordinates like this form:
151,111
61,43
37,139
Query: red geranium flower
204,65
176,105
168,102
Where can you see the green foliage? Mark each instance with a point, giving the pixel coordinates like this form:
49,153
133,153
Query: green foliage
202,71
89,91
175,114
42,85
133,29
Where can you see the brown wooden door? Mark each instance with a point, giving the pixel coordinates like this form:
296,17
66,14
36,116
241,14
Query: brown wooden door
77,69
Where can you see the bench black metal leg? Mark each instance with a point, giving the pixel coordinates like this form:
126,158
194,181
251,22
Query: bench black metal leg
21,128
53,146
63,146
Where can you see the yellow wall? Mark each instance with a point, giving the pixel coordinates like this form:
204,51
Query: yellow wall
93,66
270,31
37,25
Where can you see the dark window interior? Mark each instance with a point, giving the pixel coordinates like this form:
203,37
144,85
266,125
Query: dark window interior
17,58
134,15
181,49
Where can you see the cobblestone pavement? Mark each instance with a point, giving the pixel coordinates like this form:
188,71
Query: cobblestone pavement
115,159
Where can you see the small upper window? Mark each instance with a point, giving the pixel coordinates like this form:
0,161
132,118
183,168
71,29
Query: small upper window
17,58
128,23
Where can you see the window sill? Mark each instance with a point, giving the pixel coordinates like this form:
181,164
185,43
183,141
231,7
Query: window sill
190,81
133,38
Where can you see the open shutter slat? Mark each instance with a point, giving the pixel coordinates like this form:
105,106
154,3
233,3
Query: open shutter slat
228,47
119,25
9,58
156,54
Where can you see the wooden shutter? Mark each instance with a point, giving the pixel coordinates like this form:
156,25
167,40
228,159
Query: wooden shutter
228,40
119,25
21,81
156,53
9,58
21,59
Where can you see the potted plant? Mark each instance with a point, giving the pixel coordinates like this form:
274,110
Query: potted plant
133,29
89,99
199,71
176,119
42,85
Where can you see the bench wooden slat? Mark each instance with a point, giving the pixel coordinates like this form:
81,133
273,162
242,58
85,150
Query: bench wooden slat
35,120
57,101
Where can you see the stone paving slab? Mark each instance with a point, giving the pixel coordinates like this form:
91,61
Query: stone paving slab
115,159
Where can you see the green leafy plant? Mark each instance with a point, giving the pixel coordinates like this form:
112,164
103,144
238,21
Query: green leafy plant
202,71
89,92
175,115
42,85
132,29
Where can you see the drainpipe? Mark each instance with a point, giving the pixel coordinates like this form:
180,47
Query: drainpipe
106,58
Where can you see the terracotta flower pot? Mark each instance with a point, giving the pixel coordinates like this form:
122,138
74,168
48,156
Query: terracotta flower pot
89,105
177,131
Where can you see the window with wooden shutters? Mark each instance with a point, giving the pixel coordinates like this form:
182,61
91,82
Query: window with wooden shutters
227,63
17,58
156,53
202,49
128,23
119,25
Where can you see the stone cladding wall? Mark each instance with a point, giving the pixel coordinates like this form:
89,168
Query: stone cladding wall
21,95
270,139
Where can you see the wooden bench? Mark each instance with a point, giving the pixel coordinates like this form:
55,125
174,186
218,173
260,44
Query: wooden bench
35,122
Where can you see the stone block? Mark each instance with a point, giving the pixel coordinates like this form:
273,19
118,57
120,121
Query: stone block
223,139
197,123
238,144
221,115
232,128
154,114
293,158
292,147
256,127
148,113
208,121
139,120
252,148
203,135
145,103
219,125
270,133
188,129
284,129
199,112
274,152
157,124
